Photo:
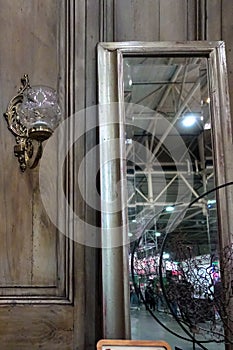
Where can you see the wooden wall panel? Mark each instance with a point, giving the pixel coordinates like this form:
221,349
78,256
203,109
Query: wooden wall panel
137,20
191,19
28,253
173,20
37,327
16,226
227,36
124,21
44,242
213,20
36,310
23,50
155,20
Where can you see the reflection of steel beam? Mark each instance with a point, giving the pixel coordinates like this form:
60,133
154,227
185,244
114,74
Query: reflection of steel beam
149,177
192,215
209,177
149,95
209,148
164,82
131,197
177,115
161,164
142,195
173,79
160,172
153,135
187,150
166,93
182,98
136,155
169,87
165,188
189,186
150,185
163,204
201,150
183,83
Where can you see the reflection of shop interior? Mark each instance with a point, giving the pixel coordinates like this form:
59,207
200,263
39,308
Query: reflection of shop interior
201,271
169,151
185,286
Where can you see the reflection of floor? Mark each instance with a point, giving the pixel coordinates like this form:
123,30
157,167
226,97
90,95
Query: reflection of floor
144,327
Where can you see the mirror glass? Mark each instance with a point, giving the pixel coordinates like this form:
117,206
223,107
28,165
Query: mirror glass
170,165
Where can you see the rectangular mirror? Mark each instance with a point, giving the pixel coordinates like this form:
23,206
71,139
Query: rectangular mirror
165,146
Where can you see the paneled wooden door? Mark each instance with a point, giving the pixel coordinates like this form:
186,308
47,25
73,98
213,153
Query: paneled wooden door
38,298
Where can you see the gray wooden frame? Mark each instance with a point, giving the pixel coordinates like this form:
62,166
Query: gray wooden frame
111,110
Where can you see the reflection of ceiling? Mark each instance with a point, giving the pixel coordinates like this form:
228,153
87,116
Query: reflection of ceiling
168,163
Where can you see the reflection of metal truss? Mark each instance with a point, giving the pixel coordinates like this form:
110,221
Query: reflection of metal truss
169,87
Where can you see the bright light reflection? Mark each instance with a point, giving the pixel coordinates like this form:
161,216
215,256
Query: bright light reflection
207,126
169,208
189,120
211,201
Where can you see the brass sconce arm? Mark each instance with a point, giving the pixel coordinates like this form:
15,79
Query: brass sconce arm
31,116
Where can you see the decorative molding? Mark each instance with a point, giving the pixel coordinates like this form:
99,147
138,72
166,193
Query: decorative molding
107,20
201,20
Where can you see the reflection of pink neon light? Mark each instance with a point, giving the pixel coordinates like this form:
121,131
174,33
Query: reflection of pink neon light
149,265
176,273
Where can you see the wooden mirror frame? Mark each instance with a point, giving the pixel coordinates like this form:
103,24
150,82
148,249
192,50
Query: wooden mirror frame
111,126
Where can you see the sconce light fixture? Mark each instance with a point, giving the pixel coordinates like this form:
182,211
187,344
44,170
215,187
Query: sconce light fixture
32,115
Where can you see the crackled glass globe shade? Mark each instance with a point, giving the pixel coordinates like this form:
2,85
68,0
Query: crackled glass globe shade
39,112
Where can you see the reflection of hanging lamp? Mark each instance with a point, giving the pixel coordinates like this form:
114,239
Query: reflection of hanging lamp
32,115
189,119
169,208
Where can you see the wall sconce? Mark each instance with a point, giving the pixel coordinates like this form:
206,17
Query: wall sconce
32,115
